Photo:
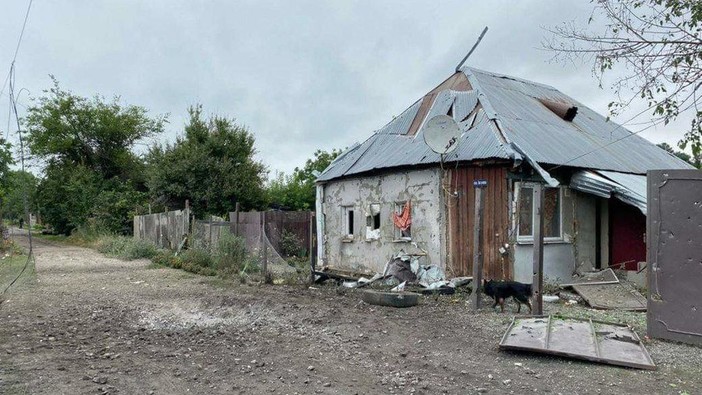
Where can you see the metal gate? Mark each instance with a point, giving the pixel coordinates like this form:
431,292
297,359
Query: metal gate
674,238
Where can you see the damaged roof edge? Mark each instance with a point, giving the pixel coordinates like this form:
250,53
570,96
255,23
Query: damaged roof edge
626,188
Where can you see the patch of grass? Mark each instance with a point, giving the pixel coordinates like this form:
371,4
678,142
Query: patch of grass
127,248
194,261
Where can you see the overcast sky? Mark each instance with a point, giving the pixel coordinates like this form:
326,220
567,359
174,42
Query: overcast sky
301,75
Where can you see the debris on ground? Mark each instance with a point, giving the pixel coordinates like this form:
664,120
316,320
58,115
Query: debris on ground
402,272
587,339
603,290
606,276
611,296
392,299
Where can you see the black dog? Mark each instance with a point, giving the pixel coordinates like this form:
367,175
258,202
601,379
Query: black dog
501,290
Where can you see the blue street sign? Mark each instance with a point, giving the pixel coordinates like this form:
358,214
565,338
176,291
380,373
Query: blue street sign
480,183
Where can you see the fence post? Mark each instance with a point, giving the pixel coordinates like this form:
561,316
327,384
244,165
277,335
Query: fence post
209,227
236,219
264,246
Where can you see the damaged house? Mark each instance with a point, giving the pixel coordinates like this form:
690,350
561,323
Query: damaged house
392,192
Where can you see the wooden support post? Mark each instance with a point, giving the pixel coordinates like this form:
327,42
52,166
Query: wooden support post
264,246
209,227
236,219
312,247
538,279
477,248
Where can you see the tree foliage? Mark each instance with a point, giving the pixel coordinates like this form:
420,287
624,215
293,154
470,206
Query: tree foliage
659,45
14,186
695,161
90,170
212,165
297,191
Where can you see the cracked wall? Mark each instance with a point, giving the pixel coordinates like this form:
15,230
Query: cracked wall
422,187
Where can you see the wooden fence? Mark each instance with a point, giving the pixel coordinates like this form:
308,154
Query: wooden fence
166,230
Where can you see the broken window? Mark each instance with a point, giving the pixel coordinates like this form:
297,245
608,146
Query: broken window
551,213
402,219
373,222
347,218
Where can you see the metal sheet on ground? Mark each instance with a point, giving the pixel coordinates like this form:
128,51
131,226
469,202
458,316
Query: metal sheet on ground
590,340
611,297
606,276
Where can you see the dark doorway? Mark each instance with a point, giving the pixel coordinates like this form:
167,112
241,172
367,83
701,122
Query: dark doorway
627,229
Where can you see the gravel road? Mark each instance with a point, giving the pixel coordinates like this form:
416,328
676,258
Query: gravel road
96,325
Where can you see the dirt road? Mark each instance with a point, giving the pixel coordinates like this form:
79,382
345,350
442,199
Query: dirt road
92,324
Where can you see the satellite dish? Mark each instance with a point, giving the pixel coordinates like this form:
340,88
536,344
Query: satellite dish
441,133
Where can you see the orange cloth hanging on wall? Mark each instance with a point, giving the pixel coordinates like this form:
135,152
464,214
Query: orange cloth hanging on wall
403,220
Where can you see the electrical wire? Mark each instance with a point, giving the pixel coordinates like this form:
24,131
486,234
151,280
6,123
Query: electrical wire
19,42
30,253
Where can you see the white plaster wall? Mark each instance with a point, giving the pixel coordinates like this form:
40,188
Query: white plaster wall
577,248
422,187
559,262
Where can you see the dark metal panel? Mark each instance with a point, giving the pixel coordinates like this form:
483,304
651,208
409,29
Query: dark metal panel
674,229
590,340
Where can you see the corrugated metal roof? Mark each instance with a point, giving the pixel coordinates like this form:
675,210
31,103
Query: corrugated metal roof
401,123
629,188
511,119
392,150
589,141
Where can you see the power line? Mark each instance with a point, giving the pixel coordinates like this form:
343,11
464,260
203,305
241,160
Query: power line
30,253
615,141
19,42
13,108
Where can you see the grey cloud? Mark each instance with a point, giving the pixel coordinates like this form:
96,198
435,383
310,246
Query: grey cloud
301,75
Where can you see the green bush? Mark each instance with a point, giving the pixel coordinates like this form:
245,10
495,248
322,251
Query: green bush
125,247
198,257
291,244
229,258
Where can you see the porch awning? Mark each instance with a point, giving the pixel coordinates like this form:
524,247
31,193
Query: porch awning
629,188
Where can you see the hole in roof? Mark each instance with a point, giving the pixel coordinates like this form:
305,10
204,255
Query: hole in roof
564,111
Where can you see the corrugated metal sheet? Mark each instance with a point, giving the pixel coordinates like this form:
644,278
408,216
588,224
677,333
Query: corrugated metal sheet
512,120
465,103
401,124
391,150
629,188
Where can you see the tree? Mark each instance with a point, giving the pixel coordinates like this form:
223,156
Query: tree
297,192
16,184
657,44
682,155
89,166
212,165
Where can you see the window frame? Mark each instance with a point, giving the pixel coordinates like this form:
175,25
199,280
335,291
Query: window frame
345,210
373,233
397,233
530,238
